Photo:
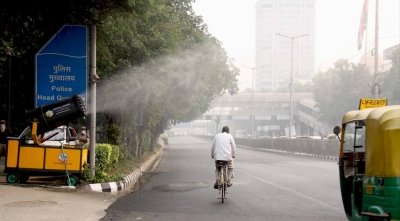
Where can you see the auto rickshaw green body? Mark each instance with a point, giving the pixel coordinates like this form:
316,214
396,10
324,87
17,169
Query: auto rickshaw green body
370,170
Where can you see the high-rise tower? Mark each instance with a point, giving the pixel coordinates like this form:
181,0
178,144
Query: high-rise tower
290,18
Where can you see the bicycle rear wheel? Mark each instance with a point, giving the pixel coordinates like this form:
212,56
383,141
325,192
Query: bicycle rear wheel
223,188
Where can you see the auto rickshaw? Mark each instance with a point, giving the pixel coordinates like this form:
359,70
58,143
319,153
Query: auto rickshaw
369,163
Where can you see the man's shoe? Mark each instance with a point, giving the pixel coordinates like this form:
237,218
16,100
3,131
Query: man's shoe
216,186
229,183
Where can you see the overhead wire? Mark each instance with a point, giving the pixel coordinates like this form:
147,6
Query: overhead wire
384,23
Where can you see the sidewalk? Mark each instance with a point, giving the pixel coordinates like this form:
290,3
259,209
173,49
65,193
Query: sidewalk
48,200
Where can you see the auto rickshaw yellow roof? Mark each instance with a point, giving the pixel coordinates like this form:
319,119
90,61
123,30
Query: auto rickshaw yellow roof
356,115
385,114
382,152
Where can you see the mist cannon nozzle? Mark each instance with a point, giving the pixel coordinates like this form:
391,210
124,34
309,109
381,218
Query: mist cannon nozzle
55,114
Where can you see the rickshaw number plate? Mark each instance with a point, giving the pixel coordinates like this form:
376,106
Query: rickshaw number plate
368,189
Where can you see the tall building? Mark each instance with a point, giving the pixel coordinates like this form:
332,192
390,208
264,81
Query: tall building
291,18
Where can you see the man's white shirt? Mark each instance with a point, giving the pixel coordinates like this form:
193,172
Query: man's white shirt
223,147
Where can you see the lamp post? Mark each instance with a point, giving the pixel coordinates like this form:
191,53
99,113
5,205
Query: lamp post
291,82
252,100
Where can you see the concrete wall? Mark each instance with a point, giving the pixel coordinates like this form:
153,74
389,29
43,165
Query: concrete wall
300,145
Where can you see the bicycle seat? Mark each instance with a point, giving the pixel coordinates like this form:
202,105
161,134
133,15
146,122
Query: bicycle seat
221,162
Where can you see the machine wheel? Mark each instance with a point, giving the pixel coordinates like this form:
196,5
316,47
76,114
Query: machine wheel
12,178
23,177
72,181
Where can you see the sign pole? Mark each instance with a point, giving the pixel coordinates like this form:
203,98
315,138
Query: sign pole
93,80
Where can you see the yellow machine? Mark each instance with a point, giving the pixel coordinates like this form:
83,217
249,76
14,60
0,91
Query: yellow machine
47,147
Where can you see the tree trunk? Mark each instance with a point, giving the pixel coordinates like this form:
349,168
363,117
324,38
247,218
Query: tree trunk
140,146
135,145
152,142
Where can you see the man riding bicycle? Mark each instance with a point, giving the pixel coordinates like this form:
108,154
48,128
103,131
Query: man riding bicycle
224,148
165,138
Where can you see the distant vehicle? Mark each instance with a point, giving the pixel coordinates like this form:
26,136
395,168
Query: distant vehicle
332,137
241,134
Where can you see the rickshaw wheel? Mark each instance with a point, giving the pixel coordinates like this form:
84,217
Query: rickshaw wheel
23,177
72,181
12,178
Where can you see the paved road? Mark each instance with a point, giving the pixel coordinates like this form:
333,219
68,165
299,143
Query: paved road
266,186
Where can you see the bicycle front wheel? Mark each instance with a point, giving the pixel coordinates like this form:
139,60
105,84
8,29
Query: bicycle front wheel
223,188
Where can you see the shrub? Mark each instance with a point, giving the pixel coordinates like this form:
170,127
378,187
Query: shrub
114,134
103,156
114,155
124,153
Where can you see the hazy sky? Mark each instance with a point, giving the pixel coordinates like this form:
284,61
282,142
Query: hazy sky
233,23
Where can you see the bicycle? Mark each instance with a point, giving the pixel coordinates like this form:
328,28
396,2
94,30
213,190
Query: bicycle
223,179
166,142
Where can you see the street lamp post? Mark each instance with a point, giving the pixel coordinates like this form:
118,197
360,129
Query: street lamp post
252,100
291,82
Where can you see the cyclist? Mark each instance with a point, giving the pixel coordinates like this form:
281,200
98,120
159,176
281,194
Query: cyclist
165,138
224,148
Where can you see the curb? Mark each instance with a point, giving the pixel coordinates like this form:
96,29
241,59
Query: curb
127,182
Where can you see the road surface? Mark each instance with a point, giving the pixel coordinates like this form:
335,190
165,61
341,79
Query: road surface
267,186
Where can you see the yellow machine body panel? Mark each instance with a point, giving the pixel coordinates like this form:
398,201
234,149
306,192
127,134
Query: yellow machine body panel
46,158
31,157
55,159
84,157
12,153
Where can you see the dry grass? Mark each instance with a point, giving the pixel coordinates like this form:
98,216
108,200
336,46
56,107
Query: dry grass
128,166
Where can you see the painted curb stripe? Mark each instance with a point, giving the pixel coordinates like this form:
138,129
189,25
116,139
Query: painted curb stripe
96,187
105,187
113,186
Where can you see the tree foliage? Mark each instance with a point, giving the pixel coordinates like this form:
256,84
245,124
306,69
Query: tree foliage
339,89
390,86
153,56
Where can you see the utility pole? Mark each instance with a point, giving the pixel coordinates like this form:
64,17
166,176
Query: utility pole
291,83
376,89
252,100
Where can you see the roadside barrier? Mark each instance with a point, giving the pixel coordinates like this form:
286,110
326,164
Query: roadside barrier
312,147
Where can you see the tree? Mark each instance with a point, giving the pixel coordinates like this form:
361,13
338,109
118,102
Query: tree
339,90
152,56
390,86
28,25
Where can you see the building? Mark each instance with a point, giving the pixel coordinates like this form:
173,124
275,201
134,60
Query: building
291,18
270,113
384,65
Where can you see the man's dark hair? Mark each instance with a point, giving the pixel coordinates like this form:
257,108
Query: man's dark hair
225,129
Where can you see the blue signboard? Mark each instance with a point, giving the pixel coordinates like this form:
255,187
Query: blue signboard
61,69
